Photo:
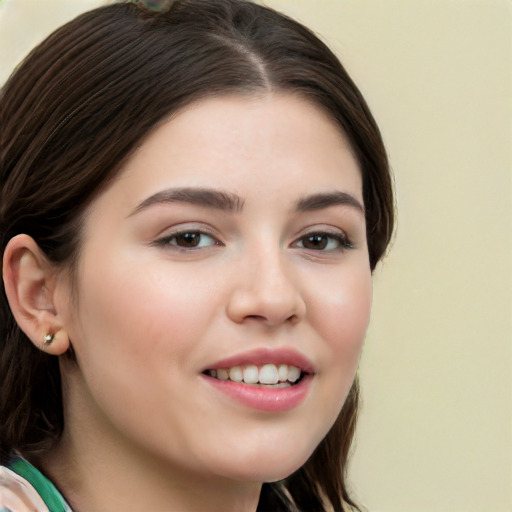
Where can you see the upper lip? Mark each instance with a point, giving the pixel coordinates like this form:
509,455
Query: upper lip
261,356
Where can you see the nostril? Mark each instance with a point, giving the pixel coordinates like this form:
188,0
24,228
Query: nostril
253,318
261,318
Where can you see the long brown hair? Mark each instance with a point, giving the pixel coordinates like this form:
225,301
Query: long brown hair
77,108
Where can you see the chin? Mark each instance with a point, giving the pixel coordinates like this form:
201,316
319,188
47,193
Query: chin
263,469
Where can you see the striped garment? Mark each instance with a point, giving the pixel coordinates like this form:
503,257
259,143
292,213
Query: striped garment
25,489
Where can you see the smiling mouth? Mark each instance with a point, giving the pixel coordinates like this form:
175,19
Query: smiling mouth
267,375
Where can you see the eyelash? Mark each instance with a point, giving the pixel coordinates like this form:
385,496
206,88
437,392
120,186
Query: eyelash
342,242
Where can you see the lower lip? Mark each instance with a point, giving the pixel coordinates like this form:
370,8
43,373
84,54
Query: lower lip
263,398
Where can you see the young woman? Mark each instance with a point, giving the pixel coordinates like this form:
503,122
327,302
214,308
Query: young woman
193,198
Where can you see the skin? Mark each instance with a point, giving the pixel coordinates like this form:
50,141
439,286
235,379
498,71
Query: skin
144,431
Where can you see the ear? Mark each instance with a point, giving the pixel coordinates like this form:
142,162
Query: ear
30,281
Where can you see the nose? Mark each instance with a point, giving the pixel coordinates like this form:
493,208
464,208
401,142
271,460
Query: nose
267,291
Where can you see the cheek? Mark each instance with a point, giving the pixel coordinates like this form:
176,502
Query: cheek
141,332
342,318
142,307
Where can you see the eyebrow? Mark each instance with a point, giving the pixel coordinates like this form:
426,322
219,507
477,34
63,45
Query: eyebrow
208,198
229,201
327,199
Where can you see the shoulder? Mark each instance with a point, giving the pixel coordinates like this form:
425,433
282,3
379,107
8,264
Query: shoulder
17,494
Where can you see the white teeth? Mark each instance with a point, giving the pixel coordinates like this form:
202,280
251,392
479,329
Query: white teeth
251,374
269,374
293,373
282,371
236,374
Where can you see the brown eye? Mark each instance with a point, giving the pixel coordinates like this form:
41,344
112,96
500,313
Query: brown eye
188,240
317,242
324,242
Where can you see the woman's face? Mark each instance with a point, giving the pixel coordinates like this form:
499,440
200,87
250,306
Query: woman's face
231,246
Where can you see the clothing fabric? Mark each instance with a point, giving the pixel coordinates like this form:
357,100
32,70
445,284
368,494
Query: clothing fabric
23,488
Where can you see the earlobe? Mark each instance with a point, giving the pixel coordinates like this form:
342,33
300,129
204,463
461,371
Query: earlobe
29,281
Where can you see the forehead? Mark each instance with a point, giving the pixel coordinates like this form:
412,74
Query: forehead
246,137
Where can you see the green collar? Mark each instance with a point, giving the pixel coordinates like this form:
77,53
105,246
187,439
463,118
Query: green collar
44,487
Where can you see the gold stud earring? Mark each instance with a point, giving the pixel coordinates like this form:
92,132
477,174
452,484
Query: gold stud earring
48,338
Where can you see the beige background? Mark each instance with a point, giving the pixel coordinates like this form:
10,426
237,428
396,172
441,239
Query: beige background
436,429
